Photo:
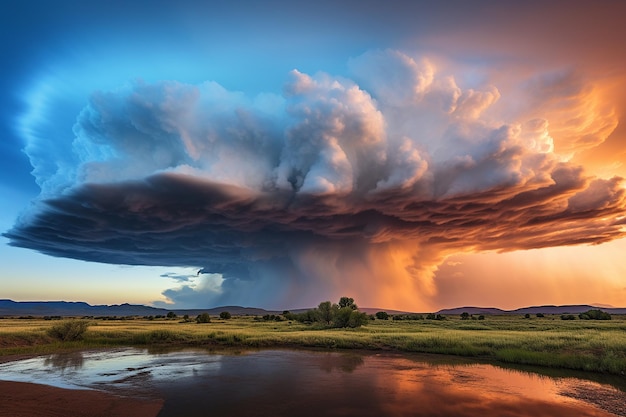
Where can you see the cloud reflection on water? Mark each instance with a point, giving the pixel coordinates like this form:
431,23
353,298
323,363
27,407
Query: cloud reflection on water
287,383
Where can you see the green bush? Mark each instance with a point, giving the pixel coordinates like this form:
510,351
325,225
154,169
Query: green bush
203,318
225,315
382,315
568,317
69,330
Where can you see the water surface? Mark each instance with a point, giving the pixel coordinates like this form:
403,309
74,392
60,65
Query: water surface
304,383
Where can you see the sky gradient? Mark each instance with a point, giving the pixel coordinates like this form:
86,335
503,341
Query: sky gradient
411,156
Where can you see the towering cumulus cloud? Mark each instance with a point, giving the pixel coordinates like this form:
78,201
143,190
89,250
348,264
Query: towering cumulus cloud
357,186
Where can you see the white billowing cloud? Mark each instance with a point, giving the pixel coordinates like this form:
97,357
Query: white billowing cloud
336,138
293,196
470,104
393,77
407,166
145,128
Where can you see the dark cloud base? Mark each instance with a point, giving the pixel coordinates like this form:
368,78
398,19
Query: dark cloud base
176,220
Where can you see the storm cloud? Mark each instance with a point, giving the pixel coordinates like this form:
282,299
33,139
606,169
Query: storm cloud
351,185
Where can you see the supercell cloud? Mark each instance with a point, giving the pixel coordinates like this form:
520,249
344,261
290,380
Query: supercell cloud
358,186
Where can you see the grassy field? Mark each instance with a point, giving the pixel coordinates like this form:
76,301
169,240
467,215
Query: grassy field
598,346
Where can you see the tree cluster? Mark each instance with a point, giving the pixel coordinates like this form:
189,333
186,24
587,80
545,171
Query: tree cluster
408,317
467,316
343,314
594,315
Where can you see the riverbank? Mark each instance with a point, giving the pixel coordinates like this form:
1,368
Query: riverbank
595,346
21,399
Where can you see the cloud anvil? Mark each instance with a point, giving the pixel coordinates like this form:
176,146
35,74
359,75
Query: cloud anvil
348,171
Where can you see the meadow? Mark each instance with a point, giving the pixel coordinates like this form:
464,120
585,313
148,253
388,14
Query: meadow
588,345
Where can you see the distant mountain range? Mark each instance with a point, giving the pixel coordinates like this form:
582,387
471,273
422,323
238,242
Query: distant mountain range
548,309
75,309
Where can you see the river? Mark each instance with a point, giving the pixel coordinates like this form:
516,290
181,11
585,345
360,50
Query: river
311,383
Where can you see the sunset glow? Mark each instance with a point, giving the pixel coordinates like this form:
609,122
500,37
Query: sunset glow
414,157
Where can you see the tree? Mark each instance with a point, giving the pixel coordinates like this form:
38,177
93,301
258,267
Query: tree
342,317
347,302
171,315
203,318
357,319
326,312
382,315
225,315
526,316
465,315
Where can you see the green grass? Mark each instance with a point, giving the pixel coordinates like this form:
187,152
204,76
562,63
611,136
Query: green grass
598,346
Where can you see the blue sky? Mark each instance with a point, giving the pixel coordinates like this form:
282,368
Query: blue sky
145,111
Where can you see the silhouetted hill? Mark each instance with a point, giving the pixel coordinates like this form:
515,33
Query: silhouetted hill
234,310
75,309
472,310
79,309
67,308
547,309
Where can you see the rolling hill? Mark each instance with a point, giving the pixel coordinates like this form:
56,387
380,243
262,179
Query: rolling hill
10,308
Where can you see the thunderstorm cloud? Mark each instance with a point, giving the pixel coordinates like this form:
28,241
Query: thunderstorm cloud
334,184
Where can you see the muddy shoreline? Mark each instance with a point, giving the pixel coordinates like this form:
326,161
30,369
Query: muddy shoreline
23,399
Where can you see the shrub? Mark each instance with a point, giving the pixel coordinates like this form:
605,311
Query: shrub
540,315
171,315
568,317
527,316
203,318
481,317
274,317
161,336
382,315
69,330
465,316
225,315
